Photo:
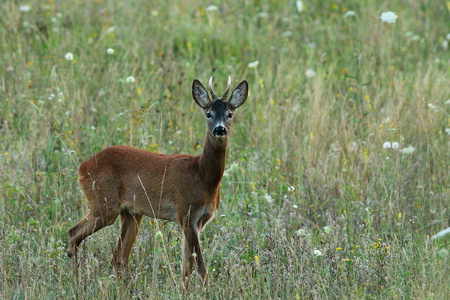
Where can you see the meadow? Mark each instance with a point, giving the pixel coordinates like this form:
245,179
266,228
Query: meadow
337,168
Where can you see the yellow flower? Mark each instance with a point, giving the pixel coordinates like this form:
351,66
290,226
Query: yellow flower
257,260
338,249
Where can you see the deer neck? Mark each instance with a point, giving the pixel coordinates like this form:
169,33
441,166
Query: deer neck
212,160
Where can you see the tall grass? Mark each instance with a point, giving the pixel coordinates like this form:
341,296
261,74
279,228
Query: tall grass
313,206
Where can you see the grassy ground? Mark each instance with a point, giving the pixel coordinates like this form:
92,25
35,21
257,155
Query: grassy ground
313,206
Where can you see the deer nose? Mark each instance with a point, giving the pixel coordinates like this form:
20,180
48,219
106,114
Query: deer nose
220,131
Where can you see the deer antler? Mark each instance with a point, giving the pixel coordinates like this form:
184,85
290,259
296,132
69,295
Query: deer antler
224,96
211,90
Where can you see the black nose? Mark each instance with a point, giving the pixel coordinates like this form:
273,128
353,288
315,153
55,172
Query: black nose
220,131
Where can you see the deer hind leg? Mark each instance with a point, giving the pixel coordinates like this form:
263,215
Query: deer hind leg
103,211
91,223
192,255
128,234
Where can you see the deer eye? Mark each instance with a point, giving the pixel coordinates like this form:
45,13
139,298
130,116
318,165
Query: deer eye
208,115
230,116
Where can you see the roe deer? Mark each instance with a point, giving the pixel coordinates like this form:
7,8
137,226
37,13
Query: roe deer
129,182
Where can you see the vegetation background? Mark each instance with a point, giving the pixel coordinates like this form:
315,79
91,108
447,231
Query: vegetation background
315,205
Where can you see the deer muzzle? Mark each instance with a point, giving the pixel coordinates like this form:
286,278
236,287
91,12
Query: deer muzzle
220,131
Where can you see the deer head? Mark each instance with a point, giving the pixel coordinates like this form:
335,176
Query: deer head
219,111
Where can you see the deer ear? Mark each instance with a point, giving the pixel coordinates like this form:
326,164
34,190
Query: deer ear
200,94
239,95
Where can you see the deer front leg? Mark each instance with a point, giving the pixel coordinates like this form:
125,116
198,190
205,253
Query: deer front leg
192,254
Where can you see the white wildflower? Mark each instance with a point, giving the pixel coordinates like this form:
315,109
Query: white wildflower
327,229
233,166
387,145
389,17
295,206
445,44
24,8
253,64
349,13
441,233
299,5
69,56
433,107
159,234
287,33
317,252
448,36
130,79
301,232
290,188
268,198
447,131
408,150
110,30
212,8
263,15
310,73
110,51
395,145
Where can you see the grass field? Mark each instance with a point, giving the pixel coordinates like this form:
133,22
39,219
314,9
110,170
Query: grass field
315,204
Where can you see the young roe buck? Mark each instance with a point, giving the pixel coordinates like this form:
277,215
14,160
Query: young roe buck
129,182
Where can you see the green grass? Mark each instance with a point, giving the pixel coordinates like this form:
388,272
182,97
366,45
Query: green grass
309,168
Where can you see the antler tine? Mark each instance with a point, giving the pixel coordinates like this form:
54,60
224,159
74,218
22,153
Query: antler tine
224,96
211,90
